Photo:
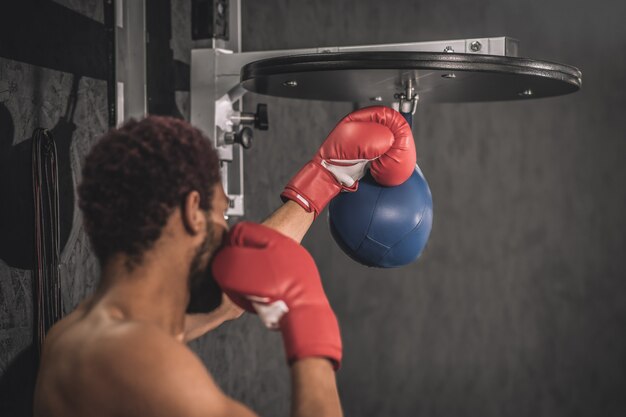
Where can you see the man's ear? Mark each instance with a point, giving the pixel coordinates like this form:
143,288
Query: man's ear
191,213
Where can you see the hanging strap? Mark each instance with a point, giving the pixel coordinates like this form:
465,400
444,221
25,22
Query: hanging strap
48,307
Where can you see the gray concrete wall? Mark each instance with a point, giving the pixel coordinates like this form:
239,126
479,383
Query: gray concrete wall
47,68
517,306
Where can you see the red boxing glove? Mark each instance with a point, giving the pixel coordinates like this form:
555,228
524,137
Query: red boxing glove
265,272
378,137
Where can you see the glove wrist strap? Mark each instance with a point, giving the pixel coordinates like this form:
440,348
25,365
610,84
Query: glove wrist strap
312,188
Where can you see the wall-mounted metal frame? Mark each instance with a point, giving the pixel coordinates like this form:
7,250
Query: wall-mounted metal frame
216,88
221,74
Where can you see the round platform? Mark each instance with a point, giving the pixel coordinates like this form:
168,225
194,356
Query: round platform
437,77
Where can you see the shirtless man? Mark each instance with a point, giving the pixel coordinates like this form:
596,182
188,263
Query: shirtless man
153,208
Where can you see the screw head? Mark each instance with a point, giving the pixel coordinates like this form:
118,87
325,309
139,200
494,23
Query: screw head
291,83
476,46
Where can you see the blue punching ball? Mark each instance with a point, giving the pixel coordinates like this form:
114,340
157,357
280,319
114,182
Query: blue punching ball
385,227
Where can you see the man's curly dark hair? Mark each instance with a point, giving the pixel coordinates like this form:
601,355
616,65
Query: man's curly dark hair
135,177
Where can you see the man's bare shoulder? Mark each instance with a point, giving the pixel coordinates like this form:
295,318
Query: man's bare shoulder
157,374
134,368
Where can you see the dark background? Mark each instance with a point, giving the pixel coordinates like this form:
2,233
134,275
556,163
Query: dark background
517,306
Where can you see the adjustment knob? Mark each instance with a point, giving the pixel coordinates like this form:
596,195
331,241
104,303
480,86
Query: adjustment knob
244,137
261,120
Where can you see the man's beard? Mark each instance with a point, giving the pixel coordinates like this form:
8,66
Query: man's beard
204,293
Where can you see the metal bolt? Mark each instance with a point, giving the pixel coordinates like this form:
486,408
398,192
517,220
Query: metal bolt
291,83
526,93
448,50
451,75
377,98
476,46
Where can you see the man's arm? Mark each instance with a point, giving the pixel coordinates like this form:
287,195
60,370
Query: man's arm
284,273
313,383
314,389
198,324
291,220
390,143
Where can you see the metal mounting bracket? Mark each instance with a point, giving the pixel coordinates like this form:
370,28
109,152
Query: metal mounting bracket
216,89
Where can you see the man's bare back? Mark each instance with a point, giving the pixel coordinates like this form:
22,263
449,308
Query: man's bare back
97,363
75,353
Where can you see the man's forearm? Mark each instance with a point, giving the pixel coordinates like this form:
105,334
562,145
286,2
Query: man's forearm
314,389
291,220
